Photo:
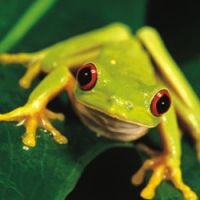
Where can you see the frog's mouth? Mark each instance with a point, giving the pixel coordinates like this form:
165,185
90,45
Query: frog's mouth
106,125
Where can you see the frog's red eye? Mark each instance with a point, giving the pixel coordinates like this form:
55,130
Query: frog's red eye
160,103
87,76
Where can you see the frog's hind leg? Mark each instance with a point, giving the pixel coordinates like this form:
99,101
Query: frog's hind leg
166,165
186,102
191,120
31,61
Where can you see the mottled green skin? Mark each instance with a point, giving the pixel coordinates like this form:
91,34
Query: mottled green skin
71,50
126,83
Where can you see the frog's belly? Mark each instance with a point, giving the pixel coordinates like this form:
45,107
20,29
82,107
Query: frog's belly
107,126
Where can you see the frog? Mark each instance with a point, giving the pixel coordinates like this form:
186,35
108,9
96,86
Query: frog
120,85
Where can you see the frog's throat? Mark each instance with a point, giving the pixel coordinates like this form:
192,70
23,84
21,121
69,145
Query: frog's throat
108,126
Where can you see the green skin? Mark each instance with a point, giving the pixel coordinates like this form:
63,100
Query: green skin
124,89
126,85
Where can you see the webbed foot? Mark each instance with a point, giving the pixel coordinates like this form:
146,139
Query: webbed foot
31,61
32,119
164,168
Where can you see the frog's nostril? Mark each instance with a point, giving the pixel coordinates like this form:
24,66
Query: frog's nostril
160,103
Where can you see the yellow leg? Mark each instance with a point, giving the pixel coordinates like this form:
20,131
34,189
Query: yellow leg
138,178
148,151
32,62
34,113
30,135
20,58
56,134
177,181
31,118
165,166
15,115
163,169
187,103
191,120
32,71
53,115
154,182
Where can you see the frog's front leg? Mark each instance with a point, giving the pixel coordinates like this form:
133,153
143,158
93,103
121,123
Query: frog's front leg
32,61
167,165
34,113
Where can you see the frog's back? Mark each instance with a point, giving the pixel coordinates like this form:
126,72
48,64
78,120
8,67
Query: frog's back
129,59
70,51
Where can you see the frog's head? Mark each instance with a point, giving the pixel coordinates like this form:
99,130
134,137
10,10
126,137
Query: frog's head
108,91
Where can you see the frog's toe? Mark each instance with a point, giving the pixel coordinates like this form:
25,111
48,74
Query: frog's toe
20,58
21,116
61,139
52,115
32,71
15,115
30,135
58,137
138,177
163,168
33,119
176,179
145,149
32,62
155,180
29,140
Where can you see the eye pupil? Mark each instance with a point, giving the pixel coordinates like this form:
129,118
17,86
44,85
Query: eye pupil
84,76
87,76
160,103
163,104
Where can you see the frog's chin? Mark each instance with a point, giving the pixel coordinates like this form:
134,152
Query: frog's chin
108,126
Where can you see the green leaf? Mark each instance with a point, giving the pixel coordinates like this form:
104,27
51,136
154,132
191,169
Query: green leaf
24,24
51,171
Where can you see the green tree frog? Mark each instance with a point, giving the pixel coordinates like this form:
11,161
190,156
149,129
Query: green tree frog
115,90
